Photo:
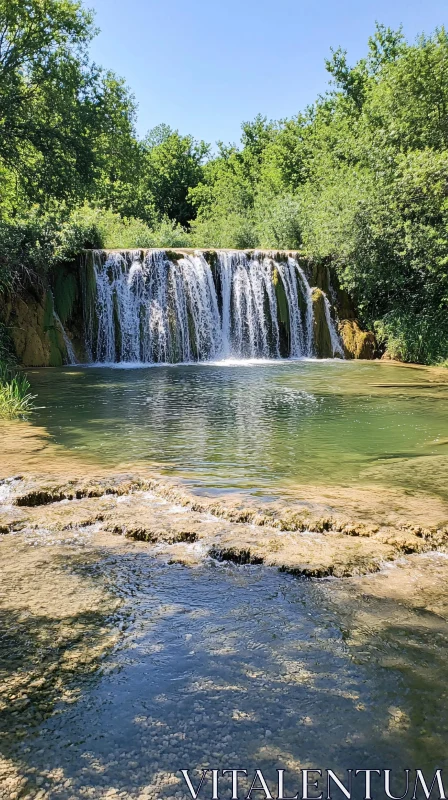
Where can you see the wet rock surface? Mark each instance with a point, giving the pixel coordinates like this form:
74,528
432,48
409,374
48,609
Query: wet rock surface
357,343
309,537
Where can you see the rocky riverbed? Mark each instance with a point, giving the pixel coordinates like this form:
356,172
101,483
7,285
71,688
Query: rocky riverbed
144,629
119,667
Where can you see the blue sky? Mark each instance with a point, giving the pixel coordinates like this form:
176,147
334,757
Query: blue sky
204,66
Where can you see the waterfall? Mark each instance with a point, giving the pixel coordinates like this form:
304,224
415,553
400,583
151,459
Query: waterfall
71,357
225,273
159,307
336,343
249,309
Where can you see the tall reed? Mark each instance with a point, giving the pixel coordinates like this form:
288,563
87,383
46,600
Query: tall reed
16,399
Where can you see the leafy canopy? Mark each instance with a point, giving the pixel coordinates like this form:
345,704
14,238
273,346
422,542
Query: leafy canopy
59,114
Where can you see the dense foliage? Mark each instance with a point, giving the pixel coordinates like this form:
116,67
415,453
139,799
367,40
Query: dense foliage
360,178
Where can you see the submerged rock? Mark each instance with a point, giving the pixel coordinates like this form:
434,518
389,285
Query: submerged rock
309,530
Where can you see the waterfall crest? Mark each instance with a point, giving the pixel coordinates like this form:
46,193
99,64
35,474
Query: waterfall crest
159,307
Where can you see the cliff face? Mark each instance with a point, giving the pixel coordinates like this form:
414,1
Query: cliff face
32,326
47,325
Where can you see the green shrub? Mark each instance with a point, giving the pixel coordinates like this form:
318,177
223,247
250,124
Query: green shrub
34,243
107,229
233,230
278,222
421,338
169,234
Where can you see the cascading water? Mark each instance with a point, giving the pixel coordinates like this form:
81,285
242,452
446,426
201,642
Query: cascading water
336,343
71,356
249,309
152,307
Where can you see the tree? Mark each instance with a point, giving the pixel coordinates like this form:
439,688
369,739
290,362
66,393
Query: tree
376,199
171,165
384,47
54,105
225,198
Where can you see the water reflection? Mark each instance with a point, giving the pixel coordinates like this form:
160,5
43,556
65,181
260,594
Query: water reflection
260,426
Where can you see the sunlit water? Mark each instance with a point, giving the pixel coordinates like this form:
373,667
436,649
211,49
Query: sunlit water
225,667
254,425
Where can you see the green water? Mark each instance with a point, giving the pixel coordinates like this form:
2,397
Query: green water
261,425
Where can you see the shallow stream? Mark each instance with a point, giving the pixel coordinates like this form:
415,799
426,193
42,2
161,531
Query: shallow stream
225,667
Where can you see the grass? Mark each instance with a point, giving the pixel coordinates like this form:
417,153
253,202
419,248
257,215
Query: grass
16,399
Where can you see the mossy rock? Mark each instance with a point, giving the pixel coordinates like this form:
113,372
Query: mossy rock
66,292
211,257
282,314
307,265
321,334
356,342
174,255
345,305
57,349
36,338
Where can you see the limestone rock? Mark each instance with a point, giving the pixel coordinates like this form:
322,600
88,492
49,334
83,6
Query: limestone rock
356,342
321,334
30,322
